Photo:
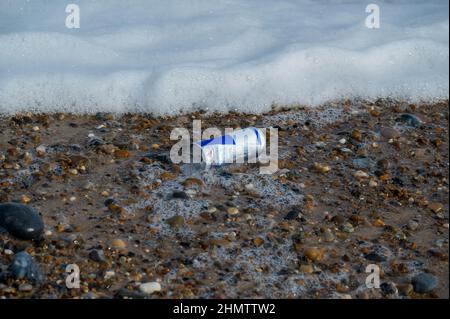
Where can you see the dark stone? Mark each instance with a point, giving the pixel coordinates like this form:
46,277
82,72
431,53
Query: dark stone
23,266
109,201
180,195
338,219
379,253
398,181
160,157
363,162
293,214
388,288
97,255
424,283
95,141
75,148
21,221
383,164
375,257
411,120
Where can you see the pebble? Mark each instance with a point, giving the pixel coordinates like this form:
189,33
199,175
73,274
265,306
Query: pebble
389,133
413,225
405,289
24,199
180,195
40,150
411,120
307,269
379,254
321,168
94,141
118,243
424,283
25,287
347,227
150,287
356,134
362,162
109,274
436,207
119,154
328,236
293,214
373,183
97,255
389,288
314,254
258,241
23,266
21,221
361,175
109,201
378,223
211,209
252,190
175,221
232,211
383,164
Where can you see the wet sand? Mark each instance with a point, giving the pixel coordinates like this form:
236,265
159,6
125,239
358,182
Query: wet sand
359,183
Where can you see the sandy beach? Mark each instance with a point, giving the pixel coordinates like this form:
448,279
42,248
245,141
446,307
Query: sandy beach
359,183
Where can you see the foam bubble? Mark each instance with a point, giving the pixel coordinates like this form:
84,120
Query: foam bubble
172,56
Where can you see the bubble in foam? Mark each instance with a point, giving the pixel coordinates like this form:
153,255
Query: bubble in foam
127,58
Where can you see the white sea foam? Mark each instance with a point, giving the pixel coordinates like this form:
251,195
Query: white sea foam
174,56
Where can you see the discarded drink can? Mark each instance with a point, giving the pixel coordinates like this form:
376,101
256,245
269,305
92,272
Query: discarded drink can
237,147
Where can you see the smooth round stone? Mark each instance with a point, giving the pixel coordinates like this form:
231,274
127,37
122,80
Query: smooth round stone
150,287
424,283
362,163
379,254
21,221
175,221
412,225
23,266
293,214
389,288
180,195
389,133
411,120
97,255
232,211
25,287
348,228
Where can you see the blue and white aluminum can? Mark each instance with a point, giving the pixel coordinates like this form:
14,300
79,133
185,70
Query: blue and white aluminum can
239,147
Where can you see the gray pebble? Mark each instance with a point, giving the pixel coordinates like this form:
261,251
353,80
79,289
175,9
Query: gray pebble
23,266
424,283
